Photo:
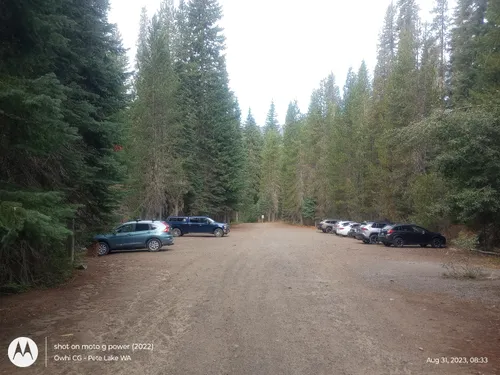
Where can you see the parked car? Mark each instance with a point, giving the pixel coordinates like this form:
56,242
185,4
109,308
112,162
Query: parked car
182,225
320,223
328,227
368,233
343,228
357,230
132,235
336,225
400,235
352,230
324,222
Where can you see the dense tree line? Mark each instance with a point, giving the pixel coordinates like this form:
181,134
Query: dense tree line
185,140
418,141
62,95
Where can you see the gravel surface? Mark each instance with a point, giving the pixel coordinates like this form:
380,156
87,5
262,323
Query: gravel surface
269,299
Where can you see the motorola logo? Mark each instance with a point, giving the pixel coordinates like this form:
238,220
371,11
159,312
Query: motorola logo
23,352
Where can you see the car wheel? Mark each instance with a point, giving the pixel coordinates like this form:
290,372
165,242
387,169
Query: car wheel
324,231
366,241
373,238
218,232
328,230
423,245
154,245
387,244
398,242
102,248
436,242
176,232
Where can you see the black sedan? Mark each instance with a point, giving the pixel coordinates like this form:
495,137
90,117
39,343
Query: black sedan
400,235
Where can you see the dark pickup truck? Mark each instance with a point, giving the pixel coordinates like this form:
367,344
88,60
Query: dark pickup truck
181,225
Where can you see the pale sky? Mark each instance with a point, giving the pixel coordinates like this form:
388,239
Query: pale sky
280,49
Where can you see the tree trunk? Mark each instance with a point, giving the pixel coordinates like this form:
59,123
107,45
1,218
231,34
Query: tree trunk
71,241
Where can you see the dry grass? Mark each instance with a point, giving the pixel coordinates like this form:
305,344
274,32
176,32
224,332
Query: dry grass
462,268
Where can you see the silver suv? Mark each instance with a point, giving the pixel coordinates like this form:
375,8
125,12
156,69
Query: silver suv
368,233
326,225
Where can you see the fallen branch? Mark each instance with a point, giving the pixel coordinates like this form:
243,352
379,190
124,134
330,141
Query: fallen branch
487,252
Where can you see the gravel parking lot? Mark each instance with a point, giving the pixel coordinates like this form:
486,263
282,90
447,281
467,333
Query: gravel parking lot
269,299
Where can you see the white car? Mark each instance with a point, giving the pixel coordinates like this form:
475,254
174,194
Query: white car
344,227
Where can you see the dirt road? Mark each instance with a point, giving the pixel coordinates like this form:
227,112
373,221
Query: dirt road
268,300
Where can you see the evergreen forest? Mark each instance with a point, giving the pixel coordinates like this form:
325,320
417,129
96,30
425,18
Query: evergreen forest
86,142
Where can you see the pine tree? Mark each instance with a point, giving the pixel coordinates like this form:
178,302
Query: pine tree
408,19
440,26
430,78
386,56
386,49
356,115
292,179
232,158
487,89
252,149
271,166
271,120
468,31
63,92
319,130
209,111
156,130
404,78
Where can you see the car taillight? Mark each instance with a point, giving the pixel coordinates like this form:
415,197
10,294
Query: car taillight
167,227
390,231
341,228
363,228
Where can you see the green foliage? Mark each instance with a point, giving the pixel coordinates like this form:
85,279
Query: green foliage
270,189
291,172
252,151
62,92
465,48
156,130
440,31
462,147
186,142
426,193
210,112
470,160
32,238
488,58
309,208
389,148
466,241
